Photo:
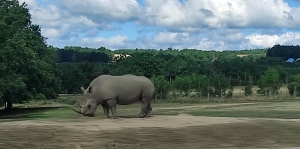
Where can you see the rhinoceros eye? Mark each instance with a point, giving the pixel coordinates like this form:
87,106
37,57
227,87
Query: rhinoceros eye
89,106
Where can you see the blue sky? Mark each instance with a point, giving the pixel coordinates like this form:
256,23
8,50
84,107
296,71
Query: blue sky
160,24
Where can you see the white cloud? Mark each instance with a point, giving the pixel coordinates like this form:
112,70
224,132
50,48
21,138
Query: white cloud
104,10
169,38
58,23
164,40
83,20
49,17
51,33
116,41
112,43
184,40
31,3
271,40
205,24
205,44
194,14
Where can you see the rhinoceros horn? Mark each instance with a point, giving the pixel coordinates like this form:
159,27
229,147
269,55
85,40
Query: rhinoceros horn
77,110
80,104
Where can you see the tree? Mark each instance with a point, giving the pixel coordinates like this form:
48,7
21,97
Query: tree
220,84
269,82
248,88
162,86
200,84
72,78
183,85
27,66
73,59
295,86
145,64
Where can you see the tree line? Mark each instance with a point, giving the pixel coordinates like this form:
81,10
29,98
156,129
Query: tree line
31,69
290,51
81,56
215,74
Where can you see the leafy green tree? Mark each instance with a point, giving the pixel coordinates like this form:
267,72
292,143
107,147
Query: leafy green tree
295,86
283,74
27,66
144,64
292,87
200,84
183,85
248,88
176,66
162,86
220,84
269,82
73,58
72,78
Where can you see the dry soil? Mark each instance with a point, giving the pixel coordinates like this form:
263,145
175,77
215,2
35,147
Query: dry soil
182,131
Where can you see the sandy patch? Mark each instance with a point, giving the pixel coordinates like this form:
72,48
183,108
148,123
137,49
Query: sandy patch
182,120
182,131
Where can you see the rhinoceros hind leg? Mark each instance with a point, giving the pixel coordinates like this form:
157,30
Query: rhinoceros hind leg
148,110
144,109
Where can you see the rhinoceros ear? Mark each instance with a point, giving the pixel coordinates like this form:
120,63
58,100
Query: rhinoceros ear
82,89
90,89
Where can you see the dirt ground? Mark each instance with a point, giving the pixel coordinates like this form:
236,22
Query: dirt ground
181,131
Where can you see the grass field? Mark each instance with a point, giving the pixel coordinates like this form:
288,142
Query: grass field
251,124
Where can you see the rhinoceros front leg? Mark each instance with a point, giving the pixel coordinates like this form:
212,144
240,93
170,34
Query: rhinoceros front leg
112,103
105,110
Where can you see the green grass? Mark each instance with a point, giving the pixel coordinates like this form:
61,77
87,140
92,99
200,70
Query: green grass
286,114
286,109
279,109
37,113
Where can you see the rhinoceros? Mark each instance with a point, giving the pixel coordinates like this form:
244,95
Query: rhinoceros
109,91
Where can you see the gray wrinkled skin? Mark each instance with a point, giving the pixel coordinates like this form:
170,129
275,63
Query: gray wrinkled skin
108,91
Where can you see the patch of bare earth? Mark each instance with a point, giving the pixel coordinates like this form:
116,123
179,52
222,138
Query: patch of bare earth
182,131
196,107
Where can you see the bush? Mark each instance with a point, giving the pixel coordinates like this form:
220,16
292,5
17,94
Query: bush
248,90
40,97
291,87
68,101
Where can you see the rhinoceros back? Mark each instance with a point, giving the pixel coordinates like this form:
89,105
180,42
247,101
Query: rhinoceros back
126,88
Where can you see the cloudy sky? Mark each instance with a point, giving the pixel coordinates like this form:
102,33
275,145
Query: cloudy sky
160,24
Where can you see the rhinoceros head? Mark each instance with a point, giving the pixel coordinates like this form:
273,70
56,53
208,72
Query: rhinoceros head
88,106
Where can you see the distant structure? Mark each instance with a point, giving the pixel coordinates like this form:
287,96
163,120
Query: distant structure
291,60
242,55
118,56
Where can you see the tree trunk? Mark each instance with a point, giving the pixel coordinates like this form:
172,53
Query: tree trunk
8,105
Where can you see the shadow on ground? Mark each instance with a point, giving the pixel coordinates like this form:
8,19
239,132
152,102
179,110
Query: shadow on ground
27,113
133,116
